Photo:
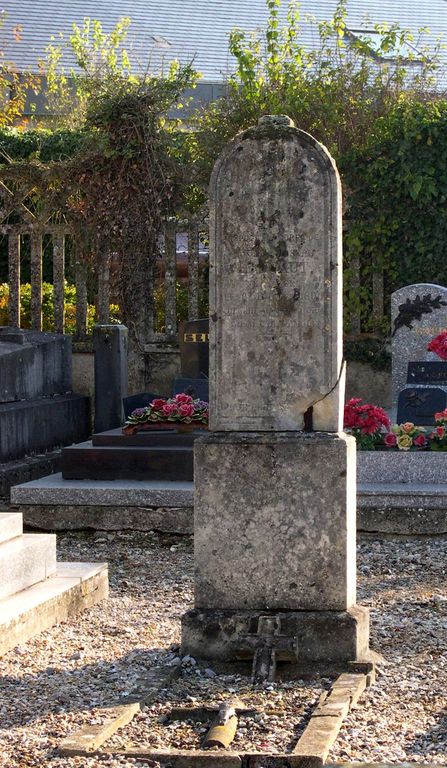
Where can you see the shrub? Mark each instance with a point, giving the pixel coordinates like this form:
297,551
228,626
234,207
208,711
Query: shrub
48,308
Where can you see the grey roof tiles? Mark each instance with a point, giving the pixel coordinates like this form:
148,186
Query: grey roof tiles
196,29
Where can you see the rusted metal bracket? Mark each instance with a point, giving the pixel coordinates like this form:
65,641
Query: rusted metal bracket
267,646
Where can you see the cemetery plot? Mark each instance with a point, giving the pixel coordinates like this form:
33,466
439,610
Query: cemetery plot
290,723
73,674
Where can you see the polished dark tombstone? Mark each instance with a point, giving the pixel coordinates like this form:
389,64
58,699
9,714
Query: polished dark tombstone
427,372
197,388
140,400
165,455
38,410
155,455
194,359
194,348
419,404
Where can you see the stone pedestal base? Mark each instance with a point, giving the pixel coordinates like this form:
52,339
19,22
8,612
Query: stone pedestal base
274,521
307,637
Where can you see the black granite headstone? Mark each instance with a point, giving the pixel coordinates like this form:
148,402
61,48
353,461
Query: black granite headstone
419,404
140,400
194,348
427,372
197,388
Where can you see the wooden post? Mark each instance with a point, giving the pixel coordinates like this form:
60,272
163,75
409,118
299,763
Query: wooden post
104,290
59,282
36,281
170,279
377,309
14,279
81,300
193,272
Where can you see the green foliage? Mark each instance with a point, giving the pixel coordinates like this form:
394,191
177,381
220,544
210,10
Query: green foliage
48,308
15,85
397,181
360,98
43,144
370,350
336,91
181,294
116,177
101,62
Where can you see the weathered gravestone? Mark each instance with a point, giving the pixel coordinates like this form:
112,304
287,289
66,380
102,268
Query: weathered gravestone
274,505
418,314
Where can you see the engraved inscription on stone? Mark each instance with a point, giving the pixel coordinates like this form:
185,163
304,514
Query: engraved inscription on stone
428,372
275,271
420,404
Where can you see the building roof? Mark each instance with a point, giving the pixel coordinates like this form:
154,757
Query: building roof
194,30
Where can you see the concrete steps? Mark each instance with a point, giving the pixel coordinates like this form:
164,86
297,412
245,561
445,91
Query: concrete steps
36,591
25,560
73,588
10,526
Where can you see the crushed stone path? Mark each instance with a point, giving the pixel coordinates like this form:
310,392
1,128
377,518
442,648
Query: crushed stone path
55,683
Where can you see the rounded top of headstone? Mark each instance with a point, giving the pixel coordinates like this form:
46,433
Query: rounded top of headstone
279,120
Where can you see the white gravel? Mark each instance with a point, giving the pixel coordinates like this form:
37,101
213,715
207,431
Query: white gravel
54,683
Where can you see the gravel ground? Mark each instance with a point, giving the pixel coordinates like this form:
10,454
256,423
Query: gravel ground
53,684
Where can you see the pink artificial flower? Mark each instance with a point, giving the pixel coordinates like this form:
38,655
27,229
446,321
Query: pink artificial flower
158,404
170,408
390,440
420,441
182,398
186,409
441,416
408,427
440,431
369,419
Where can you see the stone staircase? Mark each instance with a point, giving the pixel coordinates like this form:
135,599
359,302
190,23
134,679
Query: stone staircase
35,590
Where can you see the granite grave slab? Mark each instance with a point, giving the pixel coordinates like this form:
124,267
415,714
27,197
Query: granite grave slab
419,405
418,314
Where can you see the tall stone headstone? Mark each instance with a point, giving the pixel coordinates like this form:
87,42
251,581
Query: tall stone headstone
418,314
274,504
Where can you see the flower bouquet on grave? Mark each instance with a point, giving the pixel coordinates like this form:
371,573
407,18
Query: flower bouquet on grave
437,440
438,345
367,423
181,412
406,437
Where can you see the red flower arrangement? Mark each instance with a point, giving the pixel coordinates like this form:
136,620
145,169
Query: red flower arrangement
438,345
366,422
176,411
406,437
438,438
